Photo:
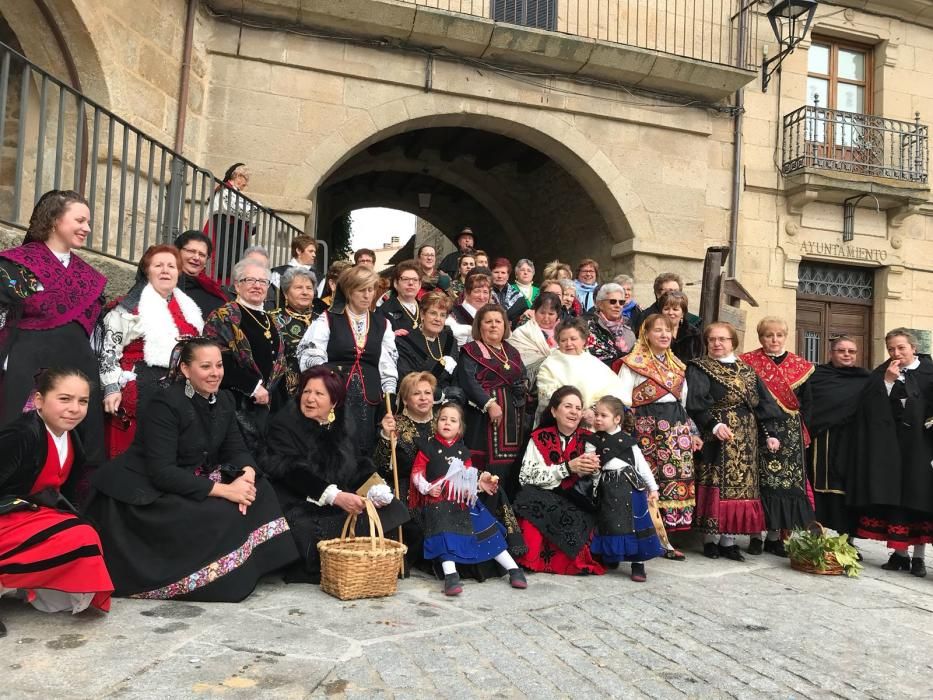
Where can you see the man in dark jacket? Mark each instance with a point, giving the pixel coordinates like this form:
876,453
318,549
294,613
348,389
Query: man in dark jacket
451,262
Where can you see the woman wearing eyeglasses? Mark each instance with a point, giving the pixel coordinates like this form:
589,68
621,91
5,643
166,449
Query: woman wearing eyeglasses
139,334
195,249
610,336
253,350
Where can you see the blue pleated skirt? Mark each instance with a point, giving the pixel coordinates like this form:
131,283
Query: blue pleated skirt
484,543
640,545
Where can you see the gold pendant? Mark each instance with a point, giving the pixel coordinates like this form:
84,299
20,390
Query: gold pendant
268,335
442,362
506,366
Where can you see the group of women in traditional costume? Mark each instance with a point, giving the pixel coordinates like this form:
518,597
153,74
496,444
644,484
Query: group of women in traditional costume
526,429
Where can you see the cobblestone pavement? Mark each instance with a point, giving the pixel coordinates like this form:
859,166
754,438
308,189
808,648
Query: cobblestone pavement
701,628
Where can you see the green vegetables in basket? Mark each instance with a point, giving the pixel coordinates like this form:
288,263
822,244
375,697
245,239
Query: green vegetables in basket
812,546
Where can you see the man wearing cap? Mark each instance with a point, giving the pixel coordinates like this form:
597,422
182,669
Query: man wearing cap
451,262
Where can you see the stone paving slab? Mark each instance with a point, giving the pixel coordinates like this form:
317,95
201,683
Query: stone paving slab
697,629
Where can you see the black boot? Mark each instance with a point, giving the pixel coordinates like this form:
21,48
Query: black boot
897,562
755,546
917,567
517,578
775,547
452,585
731,552
638,572
711,550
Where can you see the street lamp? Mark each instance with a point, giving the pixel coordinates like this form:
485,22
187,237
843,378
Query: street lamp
424,200
790,21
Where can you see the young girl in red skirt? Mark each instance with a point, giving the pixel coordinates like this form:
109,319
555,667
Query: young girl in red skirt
48,556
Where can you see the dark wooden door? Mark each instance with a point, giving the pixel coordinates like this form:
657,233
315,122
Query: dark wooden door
820,320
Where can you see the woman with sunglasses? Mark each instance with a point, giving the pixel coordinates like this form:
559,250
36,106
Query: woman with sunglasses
254,351
610,337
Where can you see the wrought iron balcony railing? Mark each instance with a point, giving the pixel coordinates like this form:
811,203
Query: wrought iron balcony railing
140,191
706,30
859,144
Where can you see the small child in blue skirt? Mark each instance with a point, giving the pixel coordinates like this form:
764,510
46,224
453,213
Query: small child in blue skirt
457,526
624,486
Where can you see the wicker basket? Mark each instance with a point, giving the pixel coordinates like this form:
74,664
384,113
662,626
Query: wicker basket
361,567
833,568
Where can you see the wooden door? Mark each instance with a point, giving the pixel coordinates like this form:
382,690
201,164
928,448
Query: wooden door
821,320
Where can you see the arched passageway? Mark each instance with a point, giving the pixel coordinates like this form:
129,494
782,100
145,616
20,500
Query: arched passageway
519,201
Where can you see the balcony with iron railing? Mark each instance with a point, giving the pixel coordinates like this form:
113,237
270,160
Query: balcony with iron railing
140,192
701,48
832,155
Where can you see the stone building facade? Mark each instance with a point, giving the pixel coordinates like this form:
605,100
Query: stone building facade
566,141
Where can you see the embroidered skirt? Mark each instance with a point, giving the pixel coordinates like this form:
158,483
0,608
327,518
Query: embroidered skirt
728,499
783,480
177,547
663,434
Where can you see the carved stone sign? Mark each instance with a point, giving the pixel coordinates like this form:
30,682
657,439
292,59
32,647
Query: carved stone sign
846,251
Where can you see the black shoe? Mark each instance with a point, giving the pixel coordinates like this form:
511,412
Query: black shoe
732,552
711,550
638,572
517,579
611,565
775,547
2,629
917,568
755,546
897,562
674,555
452,585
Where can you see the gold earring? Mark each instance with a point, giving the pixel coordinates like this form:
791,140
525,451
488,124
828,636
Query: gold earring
331,416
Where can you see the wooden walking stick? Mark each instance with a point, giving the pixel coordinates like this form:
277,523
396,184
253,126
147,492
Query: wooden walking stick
392,441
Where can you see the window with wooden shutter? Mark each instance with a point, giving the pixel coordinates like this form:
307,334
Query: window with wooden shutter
528,13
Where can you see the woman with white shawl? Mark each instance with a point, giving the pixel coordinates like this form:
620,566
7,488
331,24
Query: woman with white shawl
571,365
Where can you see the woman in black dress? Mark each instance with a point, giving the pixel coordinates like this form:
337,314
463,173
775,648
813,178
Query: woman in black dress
196,249
401,309
359,344
430,347
416,423
890,484
294,317
184,513
50,302
834,398
253,351
313,459
688,342
491,374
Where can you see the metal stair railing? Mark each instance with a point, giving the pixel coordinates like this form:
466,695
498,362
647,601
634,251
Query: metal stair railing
140,191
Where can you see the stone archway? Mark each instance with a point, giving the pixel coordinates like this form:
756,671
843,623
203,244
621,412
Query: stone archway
581,173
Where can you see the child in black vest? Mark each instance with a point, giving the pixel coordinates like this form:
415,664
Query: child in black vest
457,527
624,485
